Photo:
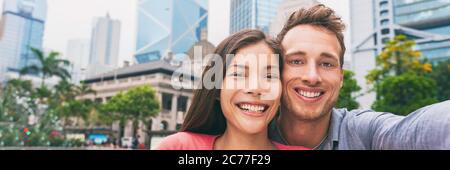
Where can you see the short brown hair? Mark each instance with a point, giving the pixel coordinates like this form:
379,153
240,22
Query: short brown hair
320,16
205,114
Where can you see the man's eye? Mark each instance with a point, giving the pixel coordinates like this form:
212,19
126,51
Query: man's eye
327,65
295,62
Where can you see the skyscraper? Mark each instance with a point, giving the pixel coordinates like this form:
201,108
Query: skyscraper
374,22
104,50
77,53
426,21
170,26
21,27
256,14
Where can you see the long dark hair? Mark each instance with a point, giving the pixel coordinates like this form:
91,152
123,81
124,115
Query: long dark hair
205,114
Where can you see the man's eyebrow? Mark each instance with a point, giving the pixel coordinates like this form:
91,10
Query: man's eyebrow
295,53
329,55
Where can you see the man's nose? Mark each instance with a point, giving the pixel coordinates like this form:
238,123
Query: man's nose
311,75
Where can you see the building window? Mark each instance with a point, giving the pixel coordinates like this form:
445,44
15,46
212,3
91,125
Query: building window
98,100
384,13
164,125
182,103
384,40
384,22
167,77
166,102
124,80
136,78
385,31
383,4
150,77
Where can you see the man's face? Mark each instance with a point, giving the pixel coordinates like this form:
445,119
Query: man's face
312,76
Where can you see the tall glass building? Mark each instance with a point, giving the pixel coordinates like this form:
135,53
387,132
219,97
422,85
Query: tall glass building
21,27
104,47
168,27
374,22
256,14
431,17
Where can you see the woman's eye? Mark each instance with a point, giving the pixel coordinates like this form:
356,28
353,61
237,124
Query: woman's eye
272,76
235,74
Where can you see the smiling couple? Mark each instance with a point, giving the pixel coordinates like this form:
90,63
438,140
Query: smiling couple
287,103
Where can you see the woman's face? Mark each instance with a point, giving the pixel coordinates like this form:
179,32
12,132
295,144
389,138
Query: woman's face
251,89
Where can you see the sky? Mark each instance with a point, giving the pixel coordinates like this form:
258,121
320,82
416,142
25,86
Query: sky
72,19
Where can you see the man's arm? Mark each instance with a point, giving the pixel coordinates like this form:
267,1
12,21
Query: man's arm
426,128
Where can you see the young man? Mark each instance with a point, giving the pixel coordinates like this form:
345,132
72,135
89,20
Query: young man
313,51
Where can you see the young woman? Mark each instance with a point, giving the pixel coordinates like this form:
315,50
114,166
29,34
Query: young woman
236,115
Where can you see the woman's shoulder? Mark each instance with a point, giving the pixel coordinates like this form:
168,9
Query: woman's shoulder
288,147
187,141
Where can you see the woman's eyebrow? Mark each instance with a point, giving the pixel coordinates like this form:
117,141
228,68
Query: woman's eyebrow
240,66
269,67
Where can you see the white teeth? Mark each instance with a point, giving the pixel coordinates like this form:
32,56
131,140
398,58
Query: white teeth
309,94
253,108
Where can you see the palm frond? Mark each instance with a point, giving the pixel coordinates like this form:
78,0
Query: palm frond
29,69
39,54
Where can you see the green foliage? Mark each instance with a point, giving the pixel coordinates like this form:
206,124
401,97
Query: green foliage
19,100
441,74
405,93
346,95
48,66
9,136
399,78
73,143
137,104
398,57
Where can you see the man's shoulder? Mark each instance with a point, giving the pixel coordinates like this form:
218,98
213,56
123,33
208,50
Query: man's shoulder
363,119
345,113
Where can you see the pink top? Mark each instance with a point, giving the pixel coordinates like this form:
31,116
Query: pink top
196,141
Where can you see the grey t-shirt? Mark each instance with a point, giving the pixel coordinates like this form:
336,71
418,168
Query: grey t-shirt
426,128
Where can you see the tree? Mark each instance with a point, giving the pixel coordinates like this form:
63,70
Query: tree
398,57
405,93
346,95
441,74
136,104
84,89
48,66
2,110
66,104
399,78
18,100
